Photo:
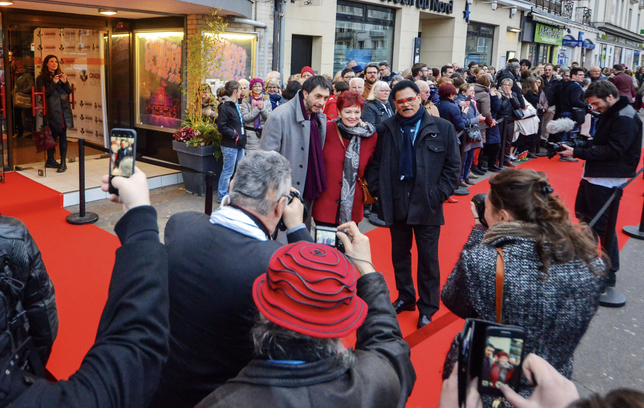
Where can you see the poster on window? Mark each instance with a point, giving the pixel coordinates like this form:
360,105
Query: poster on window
158,80
237,60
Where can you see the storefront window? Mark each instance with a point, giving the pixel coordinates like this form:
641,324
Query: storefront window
158,80
478,46
364,33
238,58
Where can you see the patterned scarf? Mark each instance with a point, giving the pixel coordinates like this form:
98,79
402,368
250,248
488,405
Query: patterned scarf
350,167
254,102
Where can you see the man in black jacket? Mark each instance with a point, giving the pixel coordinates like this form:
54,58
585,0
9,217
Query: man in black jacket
415,168
213,263
610,160
123,366
572,99
308,300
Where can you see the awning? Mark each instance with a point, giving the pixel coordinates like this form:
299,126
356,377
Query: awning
541,16
621,32
571,43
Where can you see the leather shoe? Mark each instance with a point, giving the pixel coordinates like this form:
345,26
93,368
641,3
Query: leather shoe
463,184
402,306
494,168
452,200
52,164
477,171
423,320
468,182
472,176
62,168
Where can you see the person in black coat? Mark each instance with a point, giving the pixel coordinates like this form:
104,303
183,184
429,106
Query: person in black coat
59,114
573,97
213,263
123,366
510,101
611,158
378,107
415,168
230,124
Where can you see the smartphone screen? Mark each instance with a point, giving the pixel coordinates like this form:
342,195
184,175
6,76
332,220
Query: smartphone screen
325,236
502,359
122,154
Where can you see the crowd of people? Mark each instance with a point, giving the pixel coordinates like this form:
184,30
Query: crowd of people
195,323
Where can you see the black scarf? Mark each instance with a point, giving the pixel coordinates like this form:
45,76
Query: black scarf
406,160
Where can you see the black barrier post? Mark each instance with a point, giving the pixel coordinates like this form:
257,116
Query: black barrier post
611,297
633,231
210,181
462,191
82,217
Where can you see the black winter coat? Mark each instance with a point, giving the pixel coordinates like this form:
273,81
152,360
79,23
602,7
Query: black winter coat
58,109
375,112
381,375
38,297
508,105
573,97
230,125
123,367
437,169
516,88
617,146
212,305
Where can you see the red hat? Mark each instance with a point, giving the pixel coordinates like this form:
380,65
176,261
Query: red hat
502,354
307,69
310,289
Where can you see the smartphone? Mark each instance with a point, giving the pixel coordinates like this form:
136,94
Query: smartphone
122,154
502,359
327,236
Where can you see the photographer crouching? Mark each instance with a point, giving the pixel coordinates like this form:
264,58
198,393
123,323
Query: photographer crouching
611,159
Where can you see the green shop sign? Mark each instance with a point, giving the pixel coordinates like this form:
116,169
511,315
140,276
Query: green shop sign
546,34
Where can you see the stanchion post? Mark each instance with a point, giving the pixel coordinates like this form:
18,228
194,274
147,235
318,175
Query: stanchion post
633,231
82,217
611,297
210,181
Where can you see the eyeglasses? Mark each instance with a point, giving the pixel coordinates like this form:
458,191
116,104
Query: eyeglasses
273,87
385,90
244,87
349,76
401,102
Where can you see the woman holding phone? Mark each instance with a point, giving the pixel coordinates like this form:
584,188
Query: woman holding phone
59,114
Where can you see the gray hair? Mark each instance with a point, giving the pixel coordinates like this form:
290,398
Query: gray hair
513,67
259,174
278,343
356,79
376,88
397,78
507,81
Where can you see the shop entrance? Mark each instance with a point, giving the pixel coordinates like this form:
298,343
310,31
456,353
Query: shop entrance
301,52
81,54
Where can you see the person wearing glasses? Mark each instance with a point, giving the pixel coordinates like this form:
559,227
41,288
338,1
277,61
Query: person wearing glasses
385,72
274,93
244,87
347,75
416,167
378,108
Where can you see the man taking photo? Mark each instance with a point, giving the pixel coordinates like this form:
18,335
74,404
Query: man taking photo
610,160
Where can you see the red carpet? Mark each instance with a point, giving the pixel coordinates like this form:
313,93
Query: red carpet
78,259
431,343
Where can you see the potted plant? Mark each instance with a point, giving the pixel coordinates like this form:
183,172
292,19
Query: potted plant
197,142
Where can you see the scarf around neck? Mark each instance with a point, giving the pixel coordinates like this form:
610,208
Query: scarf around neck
257,124
236,220
316,173
275,100
351,164
406,159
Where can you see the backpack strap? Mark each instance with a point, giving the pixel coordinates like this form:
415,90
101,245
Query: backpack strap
500,275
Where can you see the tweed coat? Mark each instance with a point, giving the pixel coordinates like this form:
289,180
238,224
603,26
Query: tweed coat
250,114
288,133
554,309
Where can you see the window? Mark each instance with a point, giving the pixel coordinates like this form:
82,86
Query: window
478,45
364,33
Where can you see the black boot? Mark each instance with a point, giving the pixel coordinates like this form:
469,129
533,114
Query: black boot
51,163
63,165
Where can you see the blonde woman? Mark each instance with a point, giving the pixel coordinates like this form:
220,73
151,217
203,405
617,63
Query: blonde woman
378,107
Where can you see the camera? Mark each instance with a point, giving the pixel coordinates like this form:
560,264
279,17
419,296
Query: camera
479,203
292,195
327,236
492,352
554,148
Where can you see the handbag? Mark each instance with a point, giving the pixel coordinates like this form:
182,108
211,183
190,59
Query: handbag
518,113
43,139
474,135
367,198
22,101
500,275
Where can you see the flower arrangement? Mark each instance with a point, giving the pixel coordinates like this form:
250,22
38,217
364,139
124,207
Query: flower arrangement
190,136
203,134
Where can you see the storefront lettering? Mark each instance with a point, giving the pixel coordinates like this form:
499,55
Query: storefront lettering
431,5
163,58
234,62
548,35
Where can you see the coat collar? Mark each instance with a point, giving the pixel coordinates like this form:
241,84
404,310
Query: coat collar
427,126
264,372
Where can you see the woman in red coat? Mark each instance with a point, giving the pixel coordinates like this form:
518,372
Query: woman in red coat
348,148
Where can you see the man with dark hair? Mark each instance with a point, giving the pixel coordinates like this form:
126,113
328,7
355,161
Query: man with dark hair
611,159
415,168
371,75
297,131
447,71
471,72
525,64
511,60
210,285
347,75
419,71
310,297
385,72
623,82
573,106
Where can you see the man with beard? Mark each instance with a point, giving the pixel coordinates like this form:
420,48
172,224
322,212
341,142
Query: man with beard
414,170
385,72
297,131
371,75
419,71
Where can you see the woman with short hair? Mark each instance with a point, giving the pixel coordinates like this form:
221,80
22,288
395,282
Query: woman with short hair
378,107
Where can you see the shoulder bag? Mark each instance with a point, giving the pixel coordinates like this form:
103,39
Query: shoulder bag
500,275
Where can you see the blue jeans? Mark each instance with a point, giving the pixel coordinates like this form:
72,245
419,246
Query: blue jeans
232,156
467,163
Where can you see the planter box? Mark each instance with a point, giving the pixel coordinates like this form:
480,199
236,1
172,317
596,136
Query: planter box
201,159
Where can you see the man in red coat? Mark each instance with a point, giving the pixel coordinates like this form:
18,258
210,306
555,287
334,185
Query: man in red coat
502,370
623,82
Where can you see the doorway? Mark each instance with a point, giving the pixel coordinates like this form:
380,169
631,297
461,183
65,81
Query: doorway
301,52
